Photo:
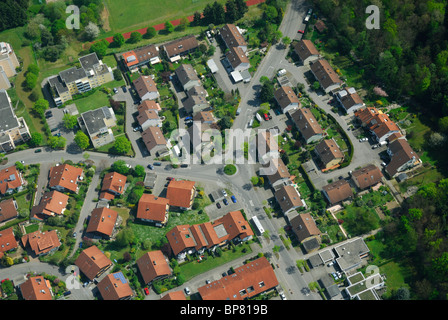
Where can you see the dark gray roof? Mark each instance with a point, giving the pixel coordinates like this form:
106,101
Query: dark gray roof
311,244
333,290
72,74
8,119
94,119
58,84
186,73
89,61
315,260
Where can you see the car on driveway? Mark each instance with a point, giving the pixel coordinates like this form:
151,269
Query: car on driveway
218,205
233,199
115,90
225,201
301,31
363,139
124,88
266,117
146,291
137,128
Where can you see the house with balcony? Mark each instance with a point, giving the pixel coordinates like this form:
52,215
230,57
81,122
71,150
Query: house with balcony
98,125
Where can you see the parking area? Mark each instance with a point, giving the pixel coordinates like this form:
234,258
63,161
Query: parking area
219,207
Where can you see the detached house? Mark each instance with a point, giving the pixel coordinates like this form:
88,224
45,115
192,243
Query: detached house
288,198
41,243
10,180
349,100
402,157
155,142
92,262
146,88
113,185
153,209
187,76
277,173
325,75
306,51
98,124
367,177
153,266
337,192
102,222
304,227
36,288
52,203
181,193
7,241
115,287
65,178
329,153
8,210
287,99
307,125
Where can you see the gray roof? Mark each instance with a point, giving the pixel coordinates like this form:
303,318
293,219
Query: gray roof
89,61
186,73
8,119
58,84
326,281
94,119
72,74
315,260
333,290
349,253
311,244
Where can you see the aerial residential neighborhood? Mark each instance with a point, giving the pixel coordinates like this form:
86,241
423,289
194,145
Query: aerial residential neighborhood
255,150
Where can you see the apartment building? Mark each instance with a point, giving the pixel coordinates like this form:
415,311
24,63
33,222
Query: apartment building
92,73
8,64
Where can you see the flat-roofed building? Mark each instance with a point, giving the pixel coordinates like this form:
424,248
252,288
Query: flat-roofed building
98,124
8,64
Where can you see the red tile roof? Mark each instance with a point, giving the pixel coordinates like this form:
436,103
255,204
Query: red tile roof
180,238
248,281
92,261
52,203
36,288
8,209
115,287
153,265
113,182
65,176
175,295
151,207
181,193
7,240
10,178
41,242
304,226
102,221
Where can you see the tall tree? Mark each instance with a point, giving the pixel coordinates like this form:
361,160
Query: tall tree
231,11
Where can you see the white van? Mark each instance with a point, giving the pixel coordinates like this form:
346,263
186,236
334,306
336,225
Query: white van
251,122
238,111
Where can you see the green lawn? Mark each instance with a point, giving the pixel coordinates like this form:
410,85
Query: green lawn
189,270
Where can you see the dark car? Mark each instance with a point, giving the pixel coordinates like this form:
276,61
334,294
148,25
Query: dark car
184,165
218,205
225,202
157,163
37,150
233,199
150,166
124,89
66,293
169,178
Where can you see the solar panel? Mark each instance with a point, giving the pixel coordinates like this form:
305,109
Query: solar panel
120,276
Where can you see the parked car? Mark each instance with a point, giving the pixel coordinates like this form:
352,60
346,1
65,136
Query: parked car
225,201
54,129
115,90
184,165
363,139
188,118
301,31
282,295
224,193
66,293
266,117
146,291
37,150
124,88
157,163
169,178
187,290
233,199
150,166
218,205
74,234
137,128
207,281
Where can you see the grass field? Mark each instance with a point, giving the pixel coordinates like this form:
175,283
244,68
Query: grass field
126,17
